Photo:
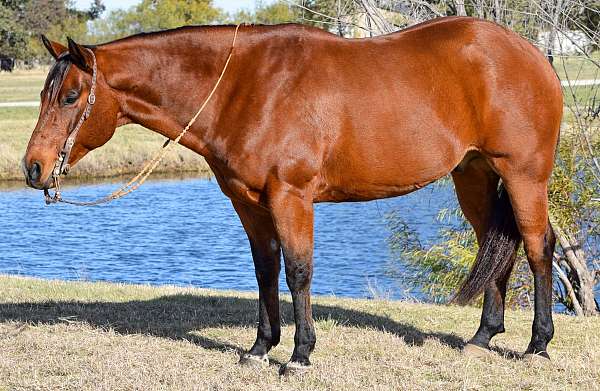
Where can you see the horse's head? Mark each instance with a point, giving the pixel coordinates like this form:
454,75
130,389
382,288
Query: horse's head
64,100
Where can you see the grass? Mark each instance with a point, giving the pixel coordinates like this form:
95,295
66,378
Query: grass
578,67
582,95
22,85
95,336
126,153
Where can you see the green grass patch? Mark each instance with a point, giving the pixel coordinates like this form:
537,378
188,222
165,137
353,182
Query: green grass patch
578,67
80,336
584,96
22,85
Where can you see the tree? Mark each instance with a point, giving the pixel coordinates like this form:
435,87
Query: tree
277,12
154,15
23,21
337,16
13,38
576,222
96,9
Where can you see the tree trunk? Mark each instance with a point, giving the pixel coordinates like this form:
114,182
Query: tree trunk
497,11
479,9
339,19
569,289
460,7
582,280
553,30
373,14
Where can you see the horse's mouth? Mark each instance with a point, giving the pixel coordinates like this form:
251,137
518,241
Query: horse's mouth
36,184
48,184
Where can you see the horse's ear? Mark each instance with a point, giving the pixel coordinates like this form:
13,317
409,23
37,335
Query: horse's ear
54,48
80,55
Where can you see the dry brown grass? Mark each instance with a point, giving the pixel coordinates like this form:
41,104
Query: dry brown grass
83,336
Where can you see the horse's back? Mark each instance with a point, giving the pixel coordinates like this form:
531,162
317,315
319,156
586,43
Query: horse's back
370,118
407,107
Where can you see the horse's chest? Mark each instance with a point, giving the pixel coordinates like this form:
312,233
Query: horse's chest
237,190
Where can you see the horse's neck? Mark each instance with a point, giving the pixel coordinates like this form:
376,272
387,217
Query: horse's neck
164,80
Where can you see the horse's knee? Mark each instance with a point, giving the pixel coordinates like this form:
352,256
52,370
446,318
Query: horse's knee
267,279
298,274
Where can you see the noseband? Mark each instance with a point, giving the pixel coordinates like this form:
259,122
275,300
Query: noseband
62,163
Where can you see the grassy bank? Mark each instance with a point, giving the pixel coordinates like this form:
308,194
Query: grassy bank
77,335
22,85
577,67
126,153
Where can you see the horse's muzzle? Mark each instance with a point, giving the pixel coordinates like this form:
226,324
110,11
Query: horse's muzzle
33,175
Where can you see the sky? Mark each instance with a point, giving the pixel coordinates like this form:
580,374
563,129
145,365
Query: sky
227,5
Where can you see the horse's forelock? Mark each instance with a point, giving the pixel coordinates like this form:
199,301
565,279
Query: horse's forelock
55,78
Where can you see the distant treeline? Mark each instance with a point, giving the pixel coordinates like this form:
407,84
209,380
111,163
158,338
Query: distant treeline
23,21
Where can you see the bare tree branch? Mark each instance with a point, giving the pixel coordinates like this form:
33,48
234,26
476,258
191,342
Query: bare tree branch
569,288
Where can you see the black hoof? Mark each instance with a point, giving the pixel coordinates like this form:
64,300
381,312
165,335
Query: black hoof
476,351
537,357
293,368
250,360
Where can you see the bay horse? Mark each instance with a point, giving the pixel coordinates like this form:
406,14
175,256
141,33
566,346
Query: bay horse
304,116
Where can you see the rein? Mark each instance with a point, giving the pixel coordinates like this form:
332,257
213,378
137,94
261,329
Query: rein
62,163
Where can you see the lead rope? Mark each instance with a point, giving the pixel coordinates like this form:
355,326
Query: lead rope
141,177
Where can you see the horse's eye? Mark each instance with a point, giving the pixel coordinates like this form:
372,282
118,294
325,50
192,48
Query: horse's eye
70,98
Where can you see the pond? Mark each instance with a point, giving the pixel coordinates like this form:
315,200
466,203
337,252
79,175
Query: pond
185,232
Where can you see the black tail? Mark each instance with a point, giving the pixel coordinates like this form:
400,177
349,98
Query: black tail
495,256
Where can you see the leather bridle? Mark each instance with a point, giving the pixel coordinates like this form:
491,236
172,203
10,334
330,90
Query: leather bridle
62,162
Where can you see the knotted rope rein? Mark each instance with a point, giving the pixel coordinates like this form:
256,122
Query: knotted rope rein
141,177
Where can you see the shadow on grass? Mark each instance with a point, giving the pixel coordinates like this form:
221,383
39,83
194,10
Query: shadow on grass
177,316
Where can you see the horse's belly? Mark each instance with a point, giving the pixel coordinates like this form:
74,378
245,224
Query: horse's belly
380,170
366,191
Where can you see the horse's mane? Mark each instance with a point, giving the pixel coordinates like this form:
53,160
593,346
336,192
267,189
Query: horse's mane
192,29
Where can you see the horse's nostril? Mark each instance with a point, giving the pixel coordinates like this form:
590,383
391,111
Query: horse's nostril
35,172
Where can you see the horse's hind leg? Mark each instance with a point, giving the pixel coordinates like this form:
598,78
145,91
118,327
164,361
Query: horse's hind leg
530,204
525,174
476,187
266,252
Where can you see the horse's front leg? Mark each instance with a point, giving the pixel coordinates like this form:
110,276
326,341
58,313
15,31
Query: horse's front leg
292,213
266,251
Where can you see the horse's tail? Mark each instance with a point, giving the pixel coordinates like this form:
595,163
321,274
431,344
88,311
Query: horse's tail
495,257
